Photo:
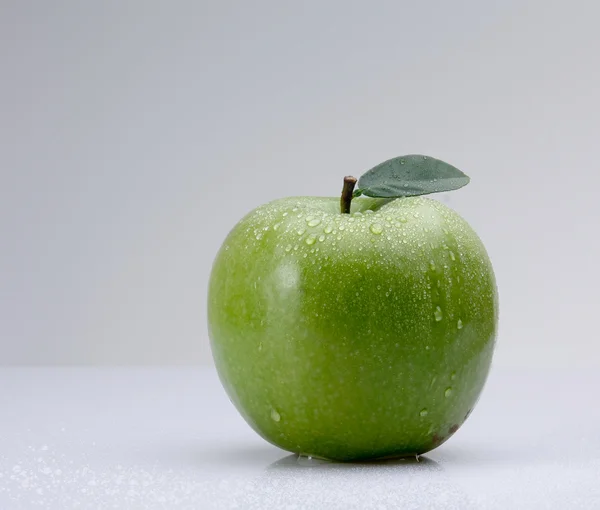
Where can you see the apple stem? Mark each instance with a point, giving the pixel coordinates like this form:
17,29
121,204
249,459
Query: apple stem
347,193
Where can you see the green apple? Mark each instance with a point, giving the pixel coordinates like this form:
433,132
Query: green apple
355,335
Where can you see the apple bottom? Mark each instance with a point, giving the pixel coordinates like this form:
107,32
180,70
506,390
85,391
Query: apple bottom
360,415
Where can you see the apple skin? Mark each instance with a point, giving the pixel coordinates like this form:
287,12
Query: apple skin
353,336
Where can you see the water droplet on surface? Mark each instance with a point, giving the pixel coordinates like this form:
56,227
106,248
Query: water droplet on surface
424,157
376,228
311,240
432,265
459,324
424,412
313,222
452,256
275,416
402,161
259,236
342,227
285,214
288,248
328,229
300,231
448,392
438,314
321,238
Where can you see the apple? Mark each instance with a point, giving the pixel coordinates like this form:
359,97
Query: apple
356,331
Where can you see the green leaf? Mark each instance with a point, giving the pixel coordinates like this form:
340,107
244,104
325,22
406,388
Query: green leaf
411,175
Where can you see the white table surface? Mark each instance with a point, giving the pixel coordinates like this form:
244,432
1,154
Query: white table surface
146,438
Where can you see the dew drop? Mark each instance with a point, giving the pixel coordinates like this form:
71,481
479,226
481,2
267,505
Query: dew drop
311,240
300,231
432,265
288,248
438,314
321,238
402,161
424,412
328,229
459,324
448,392
376,228
275,416
452,256
259,236
342,227
313,222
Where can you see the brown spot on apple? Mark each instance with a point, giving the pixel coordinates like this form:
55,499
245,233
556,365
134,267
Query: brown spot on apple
453,429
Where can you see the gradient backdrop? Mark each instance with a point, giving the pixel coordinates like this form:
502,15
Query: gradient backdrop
134,135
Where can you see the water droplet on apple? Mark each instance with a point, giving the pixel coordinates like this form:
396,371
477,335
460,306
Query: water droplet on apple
300,231
259,236
285,214
313,222
424,157
321,238
424,412
448,392
438,314
295,209
342,227
376,228
432,265
328,229
311,240
452,256
402,161
275,416
459,324
288,248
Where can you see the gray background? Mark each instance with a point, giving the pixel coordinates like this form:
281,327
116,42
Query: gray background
134,135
